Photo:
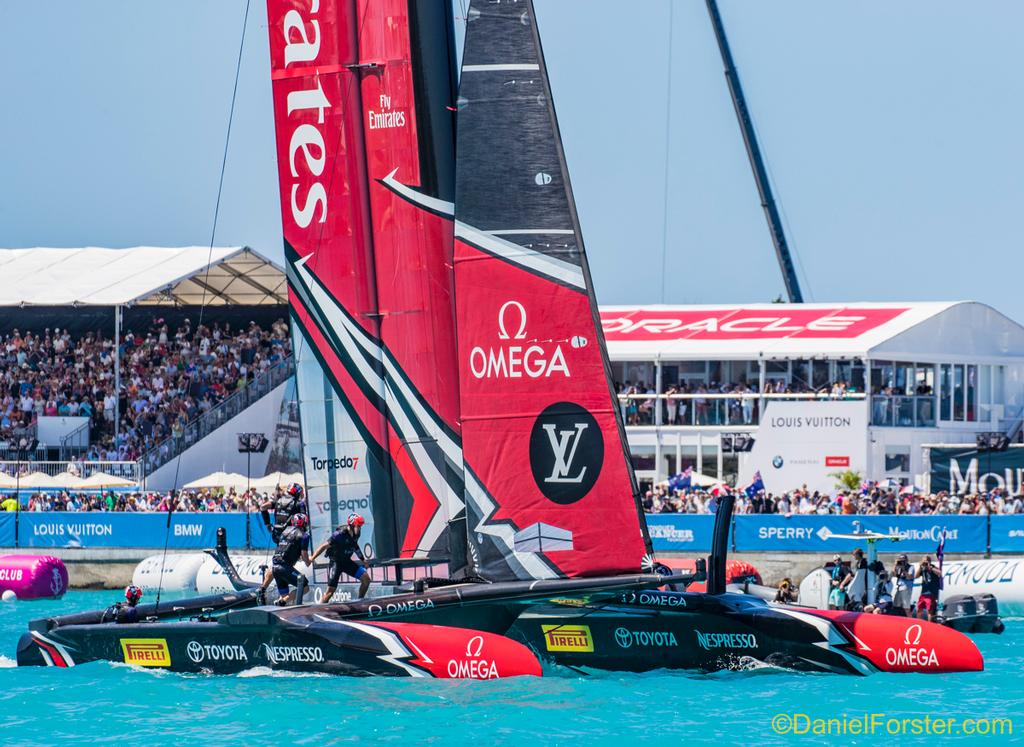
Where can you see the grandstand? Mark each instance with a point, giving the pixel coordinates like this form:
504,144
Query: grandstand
201,338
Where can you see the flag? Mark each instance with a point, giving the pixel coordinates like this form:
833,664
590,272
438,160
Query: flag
940,551
756,485
681,481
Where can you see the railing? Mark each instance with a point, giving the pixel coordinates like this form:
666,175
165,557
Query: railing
904,411
73,444
79,467
707,409
208,422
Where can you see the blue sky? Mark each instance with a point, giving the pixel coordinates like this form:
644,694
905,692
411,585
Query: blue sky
892,133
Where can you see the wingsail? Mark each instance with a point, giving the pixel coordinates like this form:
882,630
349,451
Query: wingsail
549,490
361,97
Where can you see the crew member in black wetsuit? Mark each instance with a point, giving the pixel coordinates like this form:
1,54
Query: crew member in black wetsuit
294,545
125,612
291,502
340,546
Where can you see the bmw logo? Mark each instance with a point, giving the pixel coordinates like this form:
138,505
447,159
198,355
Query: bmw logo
777,462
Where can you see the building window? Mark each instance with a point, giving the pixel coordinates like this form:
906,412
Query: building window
958,392
946,392
897,459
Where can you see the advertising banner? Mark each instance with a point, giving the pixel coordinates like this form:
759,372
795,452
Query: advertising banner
681,532
192,531
919,534
7,529
806,443
1007,533
966,470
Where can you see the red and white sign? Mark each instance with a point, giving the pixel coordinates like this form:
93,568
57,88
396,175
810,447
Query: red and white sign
840,322
837,461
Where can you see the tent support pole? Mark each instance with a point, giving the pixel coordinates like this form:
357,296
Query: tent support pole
117,373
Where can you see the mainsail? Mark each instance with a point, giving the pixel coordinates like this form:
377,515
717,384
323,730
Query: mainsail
549,488
369,267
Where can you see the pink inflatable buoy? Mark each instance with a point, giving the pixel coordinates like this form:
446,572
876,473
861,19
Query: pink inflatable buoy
33,576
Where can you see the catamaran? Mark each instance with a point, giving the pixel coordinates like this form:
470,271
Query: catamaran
454,387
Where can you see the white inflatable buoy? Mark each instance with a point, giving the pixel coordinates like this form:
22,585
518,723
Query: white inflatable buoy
9,596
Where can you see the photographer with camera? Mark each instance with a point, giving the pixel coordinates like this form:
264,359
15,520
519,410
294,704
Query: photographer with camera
903,586
928,603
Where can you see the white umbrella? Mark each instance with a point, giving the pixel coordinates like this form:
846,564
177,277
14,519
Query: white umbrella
223,480
100,480
6,481
276,479
698,480
36,480
67,480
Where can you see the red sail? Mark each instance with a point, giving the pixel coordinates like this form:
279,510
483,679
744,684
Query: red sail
328,254
406,97
549,488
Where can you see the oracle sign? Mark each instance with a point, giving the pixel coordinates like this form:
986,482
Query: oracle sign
743,324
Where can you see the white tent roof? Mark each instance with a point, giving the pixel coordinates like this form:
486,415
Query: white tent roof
148,275
839,330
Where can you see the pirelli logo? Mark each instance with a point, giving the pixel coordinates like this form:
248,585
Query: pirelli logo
567,638
146,652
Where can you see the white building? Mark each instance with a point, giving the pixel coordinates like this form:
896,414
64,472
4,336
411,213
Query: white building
923,373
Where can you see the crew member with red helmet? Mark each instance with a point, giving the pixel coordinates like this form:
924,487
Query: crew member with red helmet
292,501
125,612
294,545
339,547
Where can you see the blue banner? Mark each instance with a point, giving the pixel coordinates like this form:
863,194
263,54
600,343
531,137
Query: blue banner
919,534
1007,533
259,536
681,532
188,531
7,519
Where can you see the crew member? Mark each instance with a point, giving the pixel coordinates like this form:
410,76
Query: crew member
294,545
928,602
289,503
841,578
125,612
339,547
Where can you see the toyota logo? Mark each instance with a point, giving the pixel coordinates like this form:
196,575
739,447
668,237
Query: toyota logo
475,646
195,651
623,637
913,635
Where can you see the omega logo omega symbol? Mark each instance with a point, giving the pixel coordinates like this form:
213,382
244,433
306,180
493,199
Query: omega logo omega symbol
515,357
913,636
502,329
475,646
566,452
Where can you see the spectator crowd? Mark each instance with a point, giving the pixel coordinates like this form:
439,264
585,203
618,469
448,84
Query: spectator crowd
870,501
126,501
168,377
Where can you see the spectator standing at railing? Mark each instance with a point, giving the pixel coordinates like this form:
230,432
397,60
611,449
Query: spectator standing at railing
748,404
670,405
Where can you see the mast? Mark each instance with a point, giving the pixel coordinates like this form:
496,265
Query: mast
764,188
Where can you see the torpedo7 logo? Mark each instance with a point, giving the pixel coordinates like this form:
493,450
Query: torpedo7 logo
512,359
345,462
566,452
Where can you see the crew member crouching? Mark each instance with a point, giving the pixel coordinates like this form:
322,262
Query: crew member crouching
339,547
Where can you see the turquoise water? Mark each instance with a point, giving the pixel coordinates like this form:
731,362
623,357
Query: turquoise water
95,703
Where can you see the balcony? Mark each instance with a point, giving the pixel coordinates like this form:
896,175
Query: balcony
707,409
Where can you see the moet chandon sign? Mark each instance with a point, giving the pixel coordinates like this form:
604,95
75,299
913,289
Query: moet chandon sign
566,452
515,357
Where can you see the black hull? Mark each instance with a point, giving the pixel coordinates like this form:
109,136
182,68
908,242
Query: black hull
701,632
380,636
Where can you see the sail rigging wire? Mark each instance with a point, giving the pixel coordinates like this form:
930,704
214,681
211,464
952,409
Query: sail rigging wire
668,141
202,306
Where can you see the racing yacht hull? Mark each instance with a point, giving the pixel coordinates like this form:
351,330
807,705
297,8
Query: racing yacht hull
648,630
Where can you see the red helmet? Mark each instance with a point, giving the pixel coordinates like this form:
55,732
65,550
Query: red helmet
133,594
294,490
355,520
300,521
